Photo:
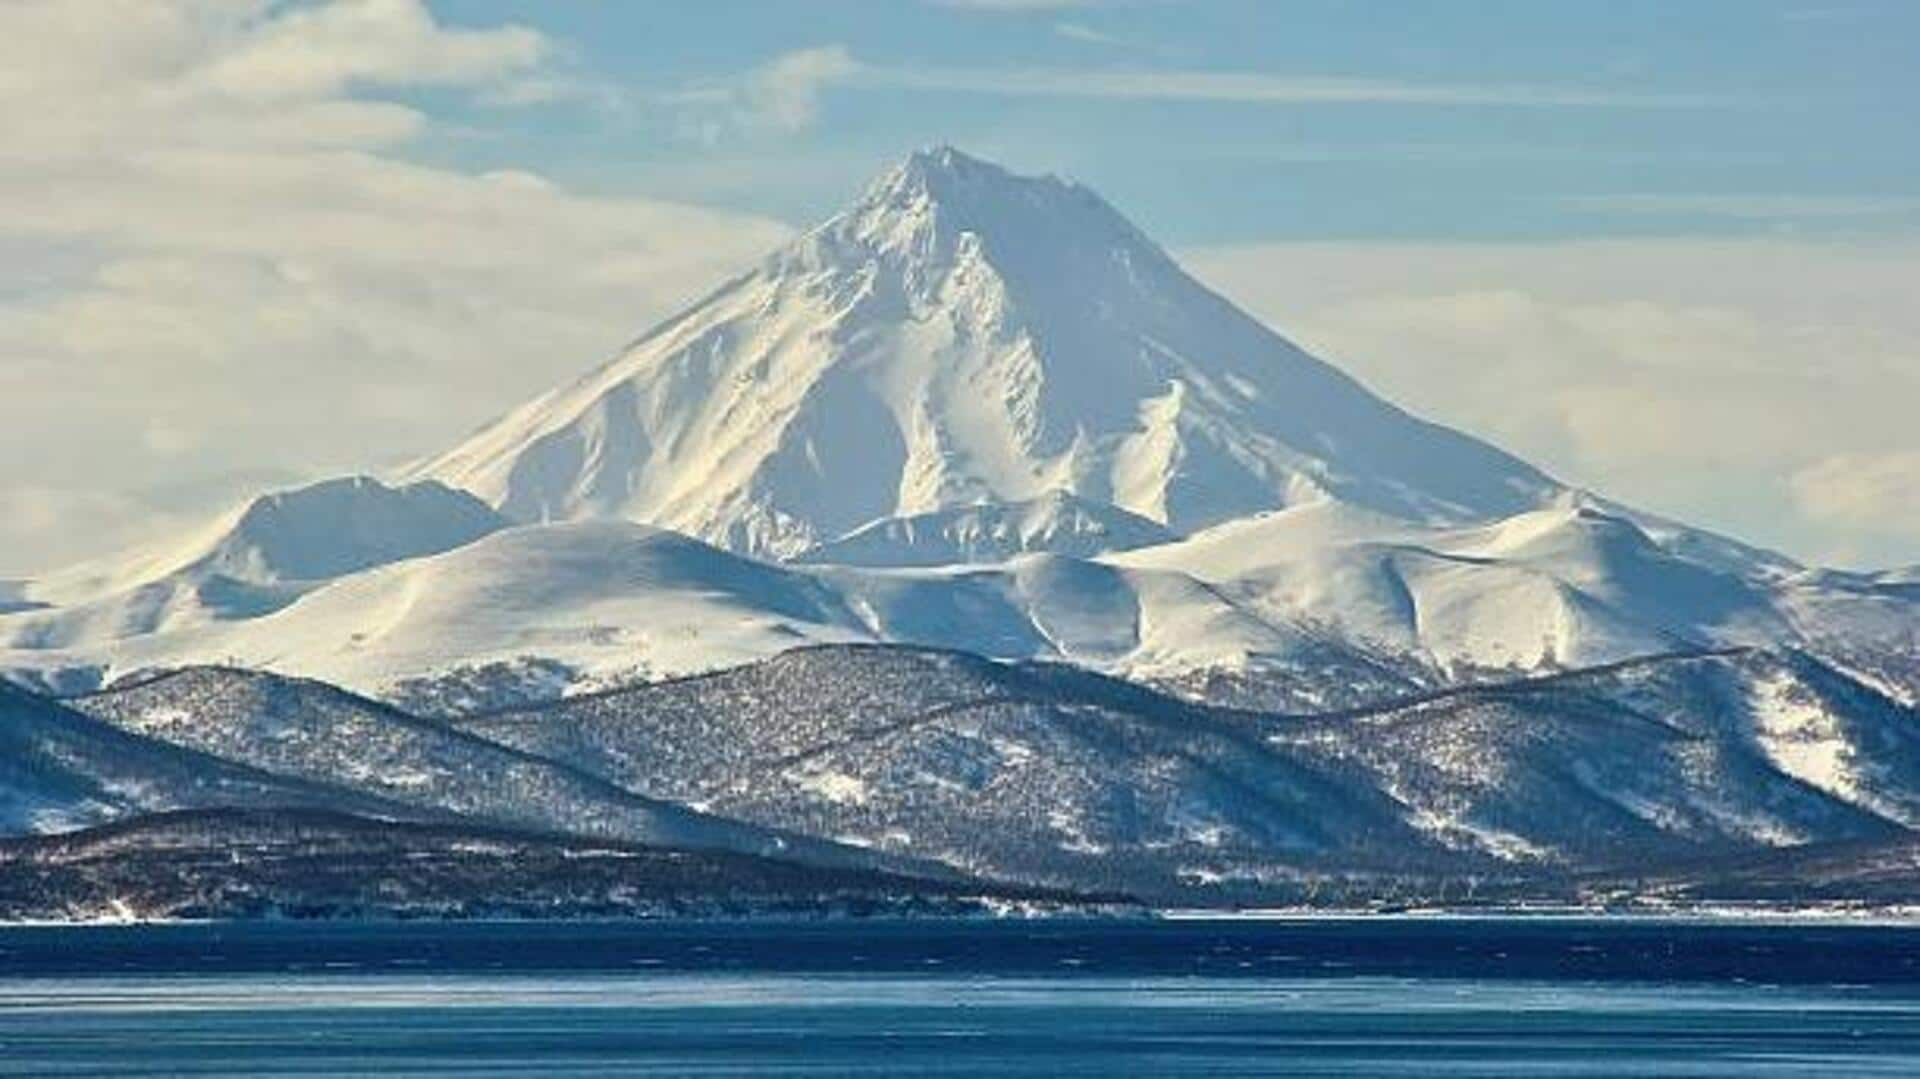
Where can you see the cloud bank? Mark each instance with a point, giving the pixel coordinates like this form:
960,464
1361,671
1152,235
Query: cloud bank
219,259
1763,386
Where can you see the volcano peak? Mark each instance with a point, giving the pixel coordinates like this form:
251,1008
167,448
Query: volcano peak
963,334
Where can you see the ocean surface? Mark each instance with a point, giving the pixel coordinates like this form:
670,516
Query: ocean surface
1369,997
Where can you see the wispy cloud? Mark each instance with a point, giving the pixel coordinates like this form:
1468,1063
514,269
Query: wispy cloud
1749,206
781,95
1076,31
786,92
1014,5
1153,84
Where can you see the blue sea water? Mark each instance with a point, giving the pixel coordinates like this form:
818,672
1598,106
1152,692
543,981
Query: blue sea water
1371,997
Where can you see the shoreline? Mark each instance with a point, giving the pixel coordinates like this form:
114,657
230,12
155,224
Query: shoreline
1714,914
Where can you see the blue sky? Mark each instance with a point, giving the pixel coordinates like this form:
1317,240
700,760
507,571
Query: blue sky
1197,116
1667,250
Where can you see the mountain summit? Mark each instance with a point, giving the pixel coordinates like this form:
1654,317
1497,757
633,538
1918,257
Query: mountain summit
963,335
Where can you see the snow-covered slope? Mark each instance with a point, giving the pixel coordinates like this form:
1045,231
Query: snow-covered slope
249,562
1867,624
991,532
962,334
606,602
606,598
1304,602
1051,774
1569,584
61,769
317,733
1710,750
1037,774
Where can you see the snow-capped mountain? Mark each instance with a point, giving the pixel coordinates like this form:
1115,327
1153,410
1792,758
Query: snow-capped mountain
965,335
981,414
976,411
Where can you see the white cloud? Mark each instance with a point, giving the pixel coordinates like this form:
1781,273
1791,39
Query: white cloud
326,50
1870,495
781,96
217,255
786,92
1692,377
43,518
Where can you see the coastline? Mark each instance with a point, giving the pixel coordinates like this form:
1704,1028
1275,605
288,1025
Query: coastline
1902,916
